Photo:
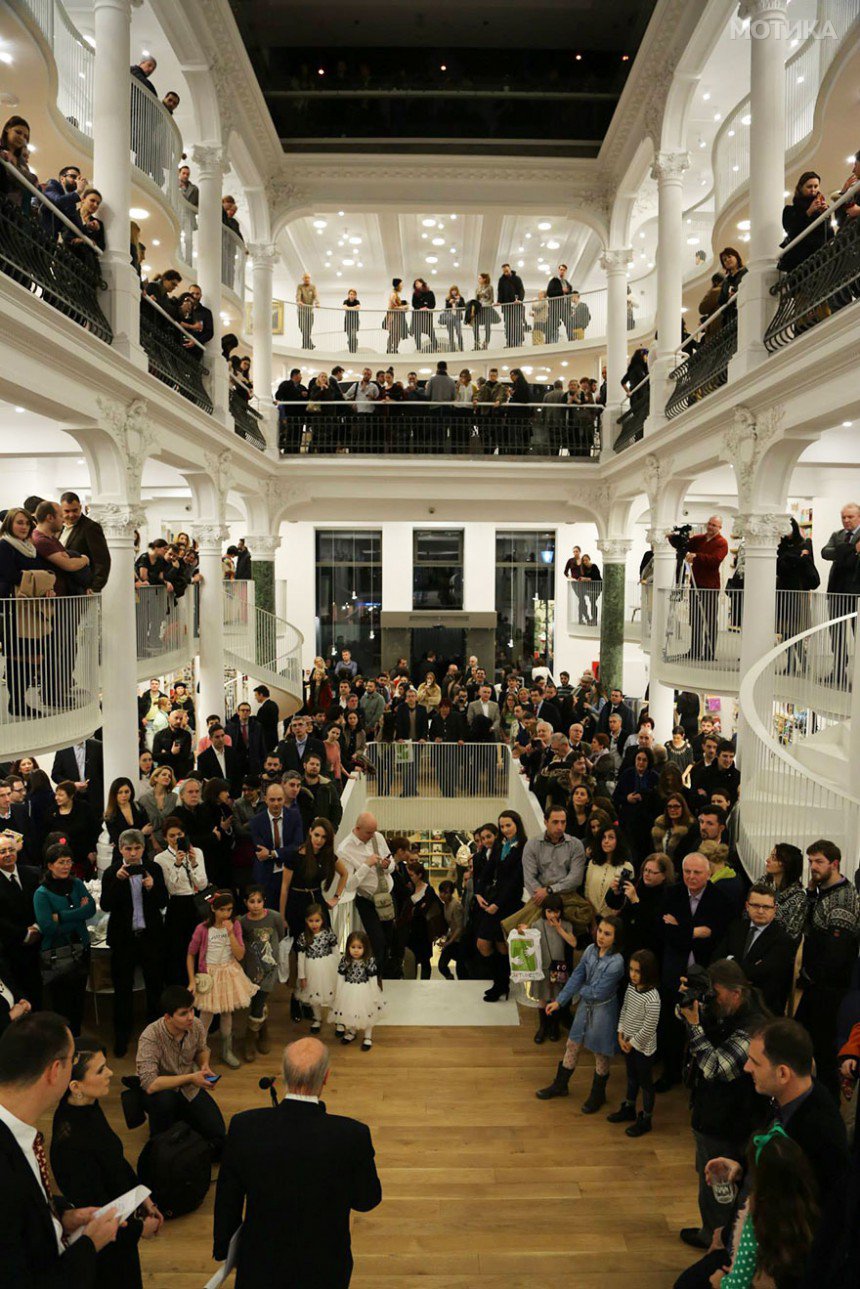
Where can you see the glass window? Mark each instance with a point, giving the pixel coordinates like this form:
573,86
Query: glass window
525,598
437,579
349,595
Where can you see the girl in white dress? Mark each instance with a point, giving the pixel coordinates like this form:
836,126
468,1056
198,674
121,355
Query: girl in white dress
358,1000
317,965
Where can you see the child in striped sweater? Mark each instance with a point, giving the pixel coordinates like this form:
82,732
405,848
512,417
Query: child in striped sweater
637,1038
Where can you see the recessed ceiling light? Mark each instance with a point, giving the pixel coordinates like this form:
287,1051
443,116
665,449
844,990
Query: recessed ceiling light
320,223
347,264
360,264
706,95
443,67
642,235
19,409
424,371
544,226
718,116
564,362
429,223
340,213
693,241
745,120
456,264
438,241
846,425
328,252
355,241
431,259
155,240
452,216
338,273
137,212
528,236
743,225
553,246
520,264
424,236
452,250
320,71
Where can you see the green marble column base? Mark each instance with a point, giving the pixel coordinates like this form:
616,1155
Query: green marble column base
263,573
612,628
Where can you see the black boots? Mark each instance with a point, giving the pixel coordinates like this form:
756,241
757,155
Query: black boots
558,1087
640,1127
555,1027
625,1114
501,987
543,1028
597,1095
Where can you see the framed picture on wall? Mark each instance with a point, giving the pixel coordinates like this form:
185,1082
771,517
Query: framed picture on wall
277,318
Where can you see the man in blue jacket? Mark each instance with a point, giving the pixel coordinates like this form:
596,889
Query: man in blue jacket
277,834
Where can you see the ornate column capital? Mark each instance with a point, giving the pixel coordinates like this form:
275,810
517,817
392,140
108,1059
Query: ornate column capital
210,533
210,159
263,255
658,541
762,529
614,549
263,545
745,443
118,520
670,166
128,426
756,9
616,261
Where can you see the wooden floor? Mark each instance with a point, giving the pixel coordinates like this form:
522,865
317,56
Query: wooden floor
482,1183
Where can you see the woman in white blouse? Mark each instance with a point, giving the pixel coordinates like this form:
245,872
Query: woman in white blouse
184,875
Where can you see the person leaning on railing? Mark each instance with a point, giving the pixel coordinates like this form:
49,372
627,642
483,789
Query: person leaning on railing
24,576
14,147
807,203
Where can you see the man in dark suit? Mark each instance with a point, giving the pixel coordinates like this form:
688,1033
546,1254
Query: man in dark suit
695,917
219,761
20,940
842,552
82,765
276,834
134,894
268,716
558,293
763,947
301,743
15,817
545,709
83,536
246,734
616,707
295,1220
199,322
173,746
411,724
510,293
36,1056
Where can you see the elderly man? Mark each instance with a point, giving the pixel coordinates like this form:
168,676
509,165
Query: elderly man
295,1221
368,860
134,894
20,938
551,784
705,553
842,552
554,862
484,706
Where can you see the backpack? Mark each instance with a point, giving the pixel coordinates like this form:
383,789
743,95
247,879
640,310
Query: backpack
176,1165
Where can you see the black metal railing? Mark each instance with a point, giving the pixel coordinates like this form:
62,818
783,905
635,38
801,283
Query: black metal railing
706,368
828,280
631,424
408,429
180,368
247,421
66,277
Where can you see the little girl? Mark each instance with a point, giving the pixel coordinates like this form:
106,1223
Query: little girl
637,1038
358,1000
220,986
318,964
262,932
595,981
557,943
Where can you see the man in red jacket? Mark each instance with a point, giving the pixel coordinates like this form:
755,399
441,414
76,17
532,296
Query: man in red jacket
705,554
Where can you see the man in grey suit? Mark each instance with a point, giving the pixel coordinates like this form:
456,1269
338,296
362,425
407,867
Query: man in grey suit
484,706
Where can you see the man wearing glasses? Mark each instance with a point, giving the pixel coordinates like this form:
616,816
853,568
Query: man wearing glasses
762,947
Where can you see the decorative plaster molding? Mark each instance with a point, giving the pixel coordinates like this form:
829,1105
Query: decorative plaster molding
617,260
118,520
761,529
614,549
210,158
263,545
754,9
601,498
745,443
291,498
210,534
128,426
263,254
219,466
651,472
657,540
280,192
670,165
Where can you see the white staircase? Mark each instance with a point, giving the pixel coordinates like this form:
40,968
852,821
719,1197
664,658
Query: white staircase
263,646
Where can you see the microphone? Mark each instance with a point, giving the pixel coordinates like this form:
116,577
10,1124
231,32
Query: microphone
268,1085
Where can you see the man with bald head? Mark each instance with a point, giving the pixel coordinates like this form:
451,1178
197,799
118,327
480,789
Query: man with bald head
695,918
705,553
843,554
290,1176
369,873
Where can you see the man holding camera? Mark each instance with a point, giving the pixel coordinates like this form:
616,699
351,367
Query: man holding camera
703,554
720,1011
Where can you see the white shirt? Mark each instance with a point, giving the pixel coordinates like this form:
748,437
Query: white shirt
361,877
25,1135
221,758
176,879
299,1096
80,751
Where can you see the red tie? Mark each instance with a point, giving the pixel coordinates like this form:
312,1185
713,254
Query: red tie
41,1160
276,833
245,735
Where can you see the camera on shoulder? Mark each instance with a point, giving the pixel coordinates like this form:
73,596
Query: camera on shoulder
698,988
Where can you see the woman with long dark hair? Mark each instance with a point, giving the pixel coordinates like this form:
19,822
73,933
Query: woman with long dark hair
796,576
216,796
517,418
395,320
121,812
310,877
807,203
14,147
610,865
423,917
423,303
633,800
671,827
498,894
784,872
22,568
734,269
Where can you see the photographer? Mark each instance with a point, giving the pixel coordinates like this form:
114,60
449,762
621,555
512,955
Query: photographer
704,553
185,876
720,1010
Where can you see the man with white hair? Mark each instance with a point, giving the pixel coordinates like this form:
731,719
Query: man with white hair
294,1220
369,873
842,552
704,555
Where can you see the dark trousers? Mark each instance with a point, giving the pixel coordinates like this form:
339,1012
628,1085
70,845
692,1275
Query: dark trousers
451,953
180,923
712,1213
143,949
377,933
670,1034
699,1275
67,997
201,1113
703,624
640,1071
817,1013
410,772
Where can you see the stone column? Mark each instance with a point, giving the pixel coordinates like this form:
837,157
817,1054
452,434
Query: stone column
119,641
112,170
209,160
263,547
661,698
614,265
211,536
263,258
614,552
758,632
668,170
769,48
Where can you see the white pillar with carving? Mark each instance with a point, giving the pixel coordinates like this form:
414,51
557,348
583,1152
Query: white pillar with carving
209,158
263,258
119,641
761,536
769,48
668,170
614,264
111,130
661,698
211,537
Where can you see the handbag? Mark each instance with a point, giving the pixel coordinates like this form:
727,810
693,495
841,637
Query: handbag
284,950
65,960
383,901
201,898
202,983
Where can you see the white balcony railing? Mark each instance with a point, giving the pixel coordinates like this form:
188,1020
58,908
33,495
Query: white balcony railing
165,630
156,143
584,600
702,629
49,696
259,644
187,248
233,257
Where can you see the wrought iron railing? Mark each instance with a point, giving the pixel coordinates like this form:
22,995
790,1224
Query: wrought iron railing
247,420
32,253
431,429
706,368
827,281
170,360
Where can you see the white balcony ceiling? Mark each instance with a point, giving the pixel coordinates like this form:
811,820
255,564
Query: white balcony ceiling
400,245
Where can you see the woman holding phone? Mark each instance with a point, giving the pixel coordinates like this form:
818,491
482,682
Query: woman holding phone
185,877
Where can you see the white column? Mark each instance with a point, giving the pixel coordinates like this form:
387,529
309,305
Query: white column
661,698
668,170
119,641
211,537
769,48
614,265
263,257
209,160
112,169
761,536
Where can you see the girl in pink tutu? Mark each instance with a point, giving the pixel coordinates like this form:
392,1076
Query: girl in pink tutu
358,1001
215,975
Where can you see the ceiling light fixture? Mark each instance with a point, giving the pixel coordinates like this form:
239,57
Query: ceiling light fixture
137,212
544,226
743,225
429,223
320,223
437,241
431,259
706,96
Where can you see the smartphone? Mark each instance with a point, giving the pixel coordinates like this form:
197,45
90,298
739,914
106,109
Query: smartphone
212,1079
134,870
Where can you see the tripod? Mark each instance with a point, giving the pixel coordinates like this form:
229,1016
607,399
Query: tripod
703,613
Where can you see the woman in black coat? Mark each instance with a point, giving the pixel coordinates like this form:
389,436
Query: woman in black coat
18,556
424,917
73,817
517,419
805,206
122,812
423,300
796,576
641,905
498,894
88,1162
734,269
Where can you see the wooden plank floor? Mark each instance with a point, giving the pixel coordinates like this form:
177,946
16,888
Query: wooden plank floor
482,1183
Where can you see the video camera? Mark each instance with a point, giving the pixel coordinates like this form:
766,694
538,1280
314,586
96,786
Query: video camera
698,988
